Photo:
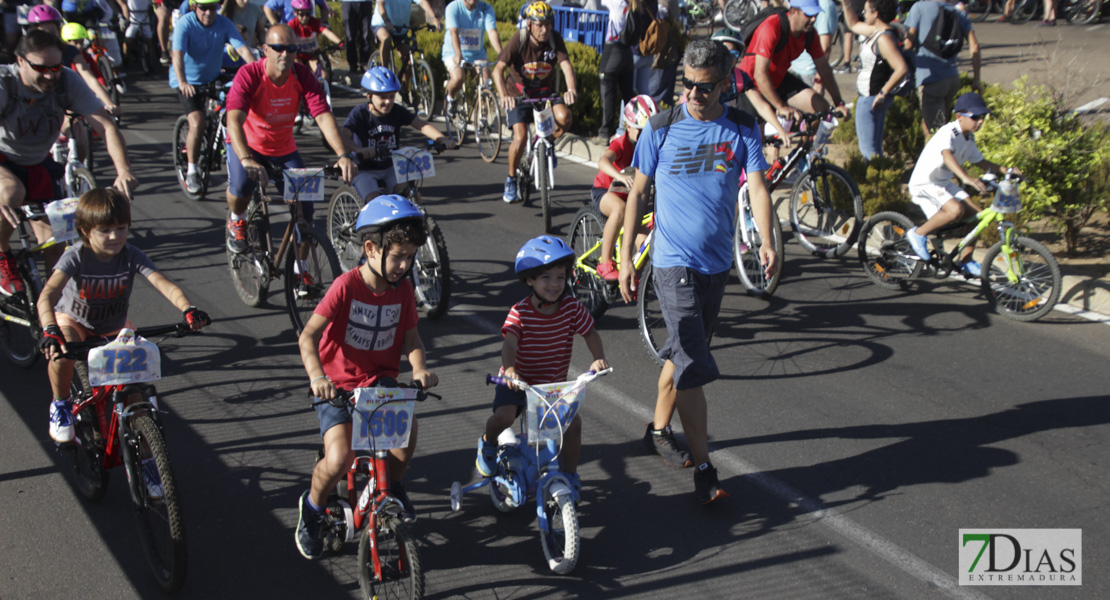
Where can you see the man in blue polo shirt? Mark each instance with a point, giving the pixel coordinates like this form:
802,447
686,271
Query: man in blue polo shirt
696,153
467,22
199,39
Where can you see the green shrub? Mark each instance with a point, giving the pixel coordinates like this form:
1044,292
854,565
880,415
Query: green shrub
507,10
880,182
1066,161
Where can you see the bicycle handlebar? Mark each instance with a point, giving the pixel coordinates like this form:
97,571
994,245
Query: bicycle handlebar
506,381
177,330
344,397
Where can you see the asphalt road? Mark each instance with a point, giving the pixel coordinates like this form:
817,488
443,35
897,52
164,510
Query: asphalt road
857,429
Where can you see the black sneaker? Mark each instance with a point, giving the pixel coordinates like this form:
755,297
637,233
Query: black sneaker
662,442
397,490
310,530
706,487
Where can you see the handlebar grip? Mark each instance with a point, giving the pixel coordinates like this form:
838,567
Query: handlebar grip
496,380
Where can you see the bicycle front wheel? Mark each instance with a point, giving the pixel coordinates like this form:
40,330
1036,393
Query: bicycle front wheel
826,210
544,184
1081,12
561,542
432,268
1025,285
585,241
424,88
886,255
308,279
456,121
20,344
745,246
653,329
181,156
161,524
978,10
487,125
250,270
108,73
1025,10
402,575
82,182
85,454
343,210
739,13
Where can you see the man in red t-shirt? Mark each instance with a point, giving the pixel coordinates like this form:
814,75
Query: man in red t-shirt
768,60
264,100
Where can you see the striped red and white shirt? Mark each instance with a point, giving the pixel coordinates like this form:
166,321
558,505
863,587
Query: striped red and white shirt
546,341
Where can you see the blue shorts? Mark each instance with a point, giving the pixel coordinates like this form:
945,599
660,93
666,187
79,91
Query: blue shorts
522,113
367,182
238,184
331,415
690,302
503,396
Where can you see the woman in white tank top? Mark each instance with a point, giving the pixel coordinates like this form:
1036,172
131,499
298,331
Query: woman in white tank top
882,68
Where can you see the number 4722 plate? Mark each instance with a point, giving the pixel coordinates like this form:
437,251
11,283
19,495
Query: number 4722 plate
127,359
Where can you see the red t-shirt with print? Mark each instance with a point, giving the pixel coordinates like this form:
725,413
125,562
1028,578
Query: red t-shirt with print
271,109
764,40
623,148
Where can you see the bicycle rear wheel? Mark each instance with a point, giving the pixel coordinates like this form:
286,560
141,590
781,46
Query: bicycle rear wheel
585,241
161,523
978,10
739,13
343,210
544,185
424,96
108,73
20,344
250,271
432,269
85,454
826,210
487,125
886,255
746,254
1025,10
402,573
561,543
653,329
1081,12
181,156
456,123
83,181
320,267
1024,286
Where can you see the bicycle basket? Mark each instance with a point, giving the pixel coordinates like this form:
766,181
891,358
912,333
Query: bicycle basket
1007,200
551,408
382,418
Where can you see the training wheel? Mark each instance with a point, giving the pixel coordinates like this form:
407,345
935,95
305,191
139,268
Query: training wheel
456,496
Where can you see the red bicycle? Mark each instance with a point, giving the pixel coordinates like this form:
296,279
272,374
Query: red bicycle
117,423
388,560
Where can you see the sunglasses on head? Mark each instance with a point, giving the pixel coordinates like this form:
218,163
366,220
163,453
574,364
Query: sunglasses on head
974,117
705,87
208,6
44,68
280,48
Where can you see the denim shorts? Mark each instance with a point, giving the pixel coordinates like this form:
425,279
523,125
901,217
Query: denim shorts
690,302
238,184
330,415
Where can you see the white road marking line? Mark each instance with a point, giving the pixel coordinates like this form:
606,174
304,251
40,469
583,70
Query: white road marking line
883,548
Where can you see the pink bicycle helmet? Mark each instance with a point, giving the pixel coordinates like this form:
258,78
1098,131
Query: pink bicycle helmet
638,110
302,4
44,14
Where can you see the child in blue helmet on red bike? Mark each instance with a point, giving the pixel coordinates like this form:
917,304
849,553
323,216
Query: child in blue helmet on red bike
355,338
539,335
370,132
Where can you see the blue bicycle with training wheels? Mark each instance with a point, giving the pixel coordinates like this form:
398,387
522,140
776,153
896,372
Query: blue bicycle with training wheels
527,466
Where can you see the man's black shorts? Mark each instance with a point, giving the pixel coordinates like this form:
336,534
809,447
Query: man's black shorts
194,103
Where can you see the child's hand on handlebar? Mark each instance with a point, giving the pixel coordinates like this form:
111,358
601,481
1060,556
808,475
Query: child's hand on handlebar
322,388
196,318
425,379
599,365
53,343
510,373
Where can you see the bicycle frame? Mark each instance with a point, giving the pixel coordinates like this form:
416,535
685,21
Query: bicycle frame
114,426
638,259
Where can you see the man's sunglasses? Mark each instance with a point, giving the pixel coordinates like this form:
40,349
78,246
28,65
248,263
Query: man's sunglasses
974,117
705,87
212,6
44,68
280,48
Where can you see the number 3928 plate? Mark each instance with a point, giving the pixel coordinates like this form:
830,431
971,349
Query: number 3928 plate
127,359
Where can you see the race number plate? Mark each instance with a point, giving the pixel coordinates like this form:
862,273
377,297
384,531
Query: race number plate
62,215
306,185
545,121
127,359
412,164
382,418
551,408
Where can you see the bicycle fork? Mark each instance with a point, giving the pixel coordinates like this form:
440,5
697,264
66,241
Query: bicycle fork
129,443
549,163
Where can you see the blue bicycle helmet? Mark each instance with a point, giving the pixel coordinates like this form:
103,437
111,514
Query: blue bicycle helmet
380,80
541,252
379,215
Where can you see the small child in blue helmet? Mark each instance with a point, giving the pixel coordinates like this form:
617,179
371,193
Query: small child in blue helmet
539,336
370,132
355,338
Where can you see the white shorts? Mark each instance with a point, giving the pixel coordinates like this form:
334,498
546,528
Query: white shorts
930,196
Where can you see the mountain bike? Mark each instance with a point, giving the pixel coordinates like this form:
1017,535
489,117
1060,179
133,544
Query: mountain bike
310,263
388,559
826,208
117,422
416,73
431,269
1020,278
211,151
20,329
476,102
586,232
527,466
538,164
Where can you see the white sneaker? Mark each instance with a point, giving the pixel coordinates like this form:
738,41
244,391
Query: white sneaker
61,421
